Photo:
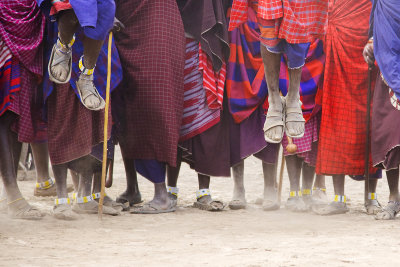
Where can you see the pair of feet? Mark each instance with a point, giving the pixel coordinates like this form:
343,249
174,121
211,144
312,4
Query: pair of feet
284,115
69,213
60,69
269,202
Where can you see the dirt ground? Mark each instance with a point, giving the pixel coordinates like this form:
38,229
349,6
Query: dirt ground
190,237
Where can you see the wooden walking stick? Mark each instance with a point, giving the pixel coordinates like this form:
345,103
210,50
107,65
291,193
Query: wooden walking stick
291,148
367,143
104,164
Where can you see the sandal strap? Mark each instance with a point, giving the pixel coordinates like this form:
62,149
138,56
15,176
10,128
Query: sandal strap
295,194
319,189
83,69
340,199
61,201
203,192
85,199
173,190
45,185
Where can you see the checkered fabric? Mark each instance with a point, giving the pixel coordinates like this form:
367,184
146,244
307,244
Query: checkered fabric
21,28
307,146
152,52
344,98
73,130
297,21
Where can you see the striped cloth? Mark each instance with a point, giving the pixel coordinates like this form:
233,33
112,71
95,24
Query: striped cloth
9,77
245,84
21,28
198,115
297,21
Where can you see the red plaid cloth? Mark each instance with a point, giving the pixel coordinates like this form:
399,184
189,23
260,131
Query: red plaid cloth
344,95
152,53
297,21
73,129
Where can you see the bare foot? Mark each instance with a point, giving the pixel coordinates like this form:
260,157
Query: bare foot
64,212
20,209
294,117
90,97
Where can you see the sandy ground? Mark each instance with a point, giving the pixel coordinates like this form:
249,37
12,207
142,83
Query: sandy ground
190,237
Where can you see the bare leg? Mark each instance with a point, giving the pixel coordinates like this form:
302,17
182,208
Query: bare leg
75,179
173,172
18,207
132,193
41,156
295,202
67,26
308,178
292,101
107,201
271,201
272,63
239,193
338,184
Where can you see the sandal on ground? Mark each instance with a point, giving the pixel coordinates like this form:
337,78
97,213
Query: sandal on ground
295,202
153,208
319,196
107,201
86,205
20,209
275,119
62,210
338,206
372,205
294,114
128,200
237,204
212,205
62,58
389,212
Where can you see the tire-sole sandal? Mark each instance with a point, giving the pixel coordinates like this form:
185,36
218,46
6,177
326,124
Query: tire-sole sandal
83,94
213,205
391,210
294,114
151,208
275,119
372,205
54,62
332,208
